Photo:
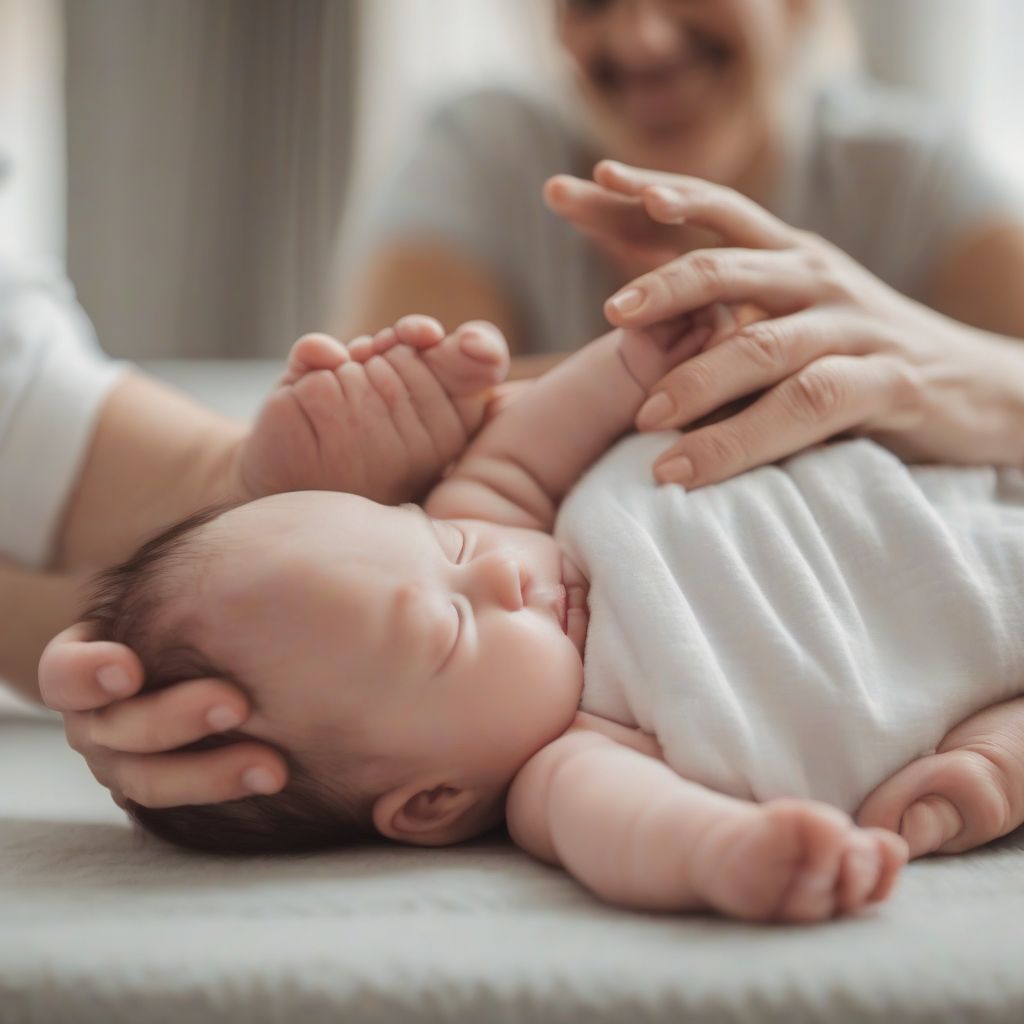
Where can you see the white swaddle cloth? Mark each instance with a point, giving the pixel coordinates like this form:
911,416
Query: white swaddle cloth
804,629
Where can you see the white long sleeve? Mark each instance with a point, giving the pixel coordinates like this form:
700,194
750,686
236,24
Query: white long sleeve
53,381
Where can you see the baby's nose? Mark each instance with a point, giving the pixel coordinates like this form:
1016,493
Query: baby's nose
497,578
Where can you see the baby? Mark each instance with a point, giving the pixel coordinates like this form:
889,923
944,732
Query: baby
424,668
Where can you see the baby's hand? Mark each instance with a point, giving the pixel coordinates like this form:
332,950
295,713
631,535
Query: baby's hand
381,417
652,352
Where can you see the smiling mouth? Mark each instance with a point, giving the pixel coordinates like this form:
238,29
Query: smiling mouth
666,84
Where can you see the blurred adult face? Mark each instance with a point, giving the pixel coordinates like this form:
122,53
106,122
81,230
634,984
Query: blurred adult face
692,86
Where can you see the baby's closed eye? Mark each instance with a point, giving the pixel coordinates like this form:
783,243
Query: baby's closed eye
460,612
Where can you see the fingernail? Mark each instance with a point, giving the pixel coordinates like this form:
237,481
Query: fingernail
655,412
628,301
672,209
114,680
677,470
260,780
223,718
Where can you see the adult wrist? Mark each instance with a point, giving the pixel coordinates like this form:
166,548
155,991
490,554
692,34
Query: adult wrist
975,396
155,457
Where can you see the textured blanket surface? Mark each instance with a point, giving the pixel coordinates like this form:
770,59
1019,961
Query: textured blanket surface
100,924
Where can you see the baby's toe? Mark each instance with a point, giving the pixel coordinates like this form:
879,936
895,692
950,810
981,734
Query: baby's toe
482,341
471,360
314,352
361,348
419,331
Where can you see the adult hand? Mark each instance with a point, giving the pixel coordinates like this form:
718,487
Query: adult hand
127,743
839,351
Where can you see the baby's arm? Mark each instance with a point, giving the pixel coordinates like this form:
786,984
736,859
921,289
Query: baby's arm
525,460
639,835
969,792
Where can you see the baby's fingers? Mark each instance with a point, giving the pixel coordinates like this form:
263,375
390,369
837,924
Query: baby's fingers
198,777
314,352
167,719
77,673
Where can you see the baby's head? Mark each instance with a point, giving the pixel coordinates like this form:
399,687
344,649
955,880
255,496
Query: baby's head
407,667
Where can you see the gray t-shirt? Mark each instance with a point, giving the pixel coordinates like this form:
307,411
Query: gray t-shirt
881,174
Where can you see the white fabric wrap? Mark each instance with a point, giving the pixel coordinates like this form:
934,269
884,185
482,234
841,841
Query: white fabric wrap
804,629
53,381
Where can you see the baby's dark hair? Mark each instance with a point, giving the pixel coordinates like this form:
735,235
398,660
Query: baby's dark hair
126,607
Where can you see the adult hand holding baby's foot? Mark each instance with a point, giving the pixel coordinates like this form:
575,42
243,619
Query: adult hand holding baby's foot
381,417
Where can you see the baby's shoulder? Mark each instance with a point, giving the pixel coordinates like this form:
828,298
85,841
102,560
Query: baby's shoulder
526,806
629,737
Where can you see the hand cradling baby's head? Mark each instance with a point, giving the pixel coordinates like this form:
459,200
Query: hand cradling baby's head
406,667
156,604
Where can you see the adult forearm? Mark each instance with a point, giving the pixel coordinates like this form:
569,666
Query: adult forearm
155,457
33,608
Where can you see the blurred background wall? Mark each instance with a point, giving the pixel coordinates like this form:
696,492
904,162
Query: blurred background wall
32,128
208,144
214,146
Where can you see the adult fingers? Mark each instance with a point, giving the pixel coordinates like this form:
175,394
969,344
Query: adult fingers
751,359
674,199
230,772
170,718
607,217
831,395
77,673
779,282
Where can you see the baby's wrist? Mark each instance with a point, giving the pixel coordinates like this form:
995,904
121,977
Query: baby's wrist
643,359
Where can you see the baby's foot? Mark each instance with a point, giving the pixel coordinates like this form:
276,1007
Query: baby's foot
794,860
381,417
467,363
946,803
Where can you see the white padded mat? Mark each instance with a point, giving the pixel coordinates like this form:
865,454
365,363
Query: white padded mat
100,924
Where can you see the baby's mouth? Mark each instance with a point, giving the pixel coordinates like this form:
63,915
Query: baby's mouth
550,598
562,608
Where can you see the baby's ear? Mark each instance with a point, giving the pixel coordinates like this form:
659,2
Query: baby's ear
435,816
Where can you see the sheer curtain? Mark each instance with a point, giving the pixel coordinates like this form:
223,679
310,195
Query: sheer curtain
31,130
413,54
208,147
966,53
